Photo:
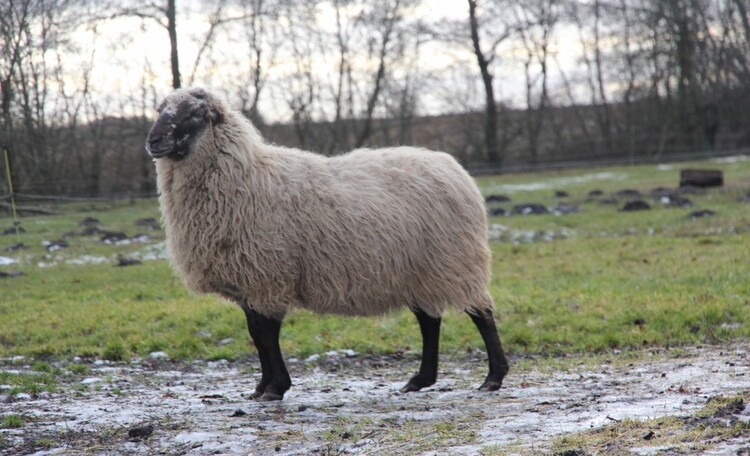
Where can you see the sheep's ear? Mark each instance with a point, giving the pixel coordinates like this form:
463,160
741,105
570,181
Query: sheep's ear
198,93
215,115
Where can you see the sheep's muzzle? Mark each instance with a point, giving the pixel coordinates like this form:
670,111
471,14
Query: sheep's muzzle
160,141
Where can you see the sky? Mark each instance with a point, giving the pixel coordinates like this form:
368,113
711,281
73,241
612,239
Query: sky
128,52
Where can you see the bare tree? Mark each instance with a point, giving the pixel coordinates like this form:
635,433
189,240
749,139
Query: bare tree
263,41
385,26
588,21
164,15
34,34
171,13
536,20
367,47
342,88
302,88
485,58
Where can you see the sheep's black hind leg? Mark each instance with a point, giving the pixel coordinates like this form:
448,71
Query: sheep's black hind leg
430,328
275,380
485,323
265,364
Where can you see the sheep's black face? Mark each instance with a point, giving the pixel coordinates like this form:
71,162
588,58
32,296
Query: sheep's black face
183,117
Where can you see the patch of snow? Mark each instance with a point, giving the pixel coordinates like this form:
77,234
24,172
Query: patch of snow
151,252
156,251
220,363
76,261
7,261
732,326
502,233
88,259
196,437
51,452
348,353
553,183
158,355
730,160
91,380
141,238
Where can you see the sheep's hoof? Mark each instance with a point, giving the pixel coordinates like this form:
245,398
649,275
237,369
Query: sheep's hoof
491,385
410,387
269,396
418,382
256,394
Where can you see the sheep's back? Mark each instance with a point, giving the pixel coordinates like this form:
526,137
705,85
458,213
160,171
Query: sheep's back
390,228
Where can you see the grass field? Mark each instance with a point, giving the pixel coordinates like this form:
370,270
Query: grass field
592,281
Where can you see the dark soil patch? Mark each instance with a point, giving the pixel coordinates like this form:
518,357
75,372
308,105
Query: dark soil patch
675,201
148,222
497,199
635,205
702,213
529,209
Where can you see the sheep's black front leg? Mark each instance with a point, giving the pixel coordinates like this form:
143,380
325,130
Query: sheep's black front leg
275,380
485,323
430,328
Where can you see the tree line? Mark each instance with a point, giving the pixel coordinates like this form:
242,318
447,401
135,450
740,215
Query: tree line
497,83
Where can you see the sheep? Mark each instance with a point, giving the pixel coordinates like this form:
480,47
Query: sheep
273,229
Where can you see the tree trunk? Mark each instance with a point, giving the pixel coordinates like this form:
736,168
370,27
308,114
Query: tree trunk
388,24
490,112
372,101
172,29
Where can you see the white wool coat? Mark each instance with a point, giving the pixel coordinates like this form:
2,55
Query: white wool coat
356,234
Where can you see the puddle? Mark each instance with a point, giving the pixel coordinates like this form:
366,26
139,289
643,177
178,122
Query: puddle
352,404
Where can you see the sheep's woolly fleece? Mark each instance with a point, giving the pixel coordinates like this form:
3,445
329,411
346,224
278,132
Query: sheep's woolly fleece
356,234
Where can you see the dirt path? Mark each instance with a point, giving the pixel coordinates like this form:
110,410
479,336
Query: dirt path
351,405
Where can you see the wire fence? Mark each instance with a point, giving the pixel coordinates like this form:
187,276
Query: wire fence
609,161
79,199
32,198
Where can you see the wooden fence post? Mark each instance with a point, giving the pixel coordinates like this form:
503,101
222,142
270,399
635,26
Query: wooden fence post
9,174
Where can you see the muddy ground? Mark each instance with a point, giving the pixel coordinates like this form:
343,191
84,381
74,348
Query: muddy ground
344,403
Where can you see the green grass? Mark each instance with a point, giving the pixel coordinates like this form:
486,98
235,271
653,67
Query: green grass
618,280
12,421
621,292
27,383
